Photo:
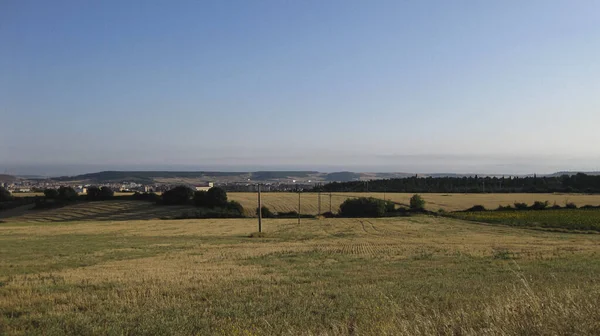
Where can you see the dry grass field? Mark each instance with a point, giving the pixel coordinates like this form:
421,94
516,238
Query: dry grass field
449,202
105,270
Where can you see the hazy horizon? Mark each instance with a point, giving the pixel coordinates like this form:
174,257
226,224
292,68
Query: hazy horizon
439,86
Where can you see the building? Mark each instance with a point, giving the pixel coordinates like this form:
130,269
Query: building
204,187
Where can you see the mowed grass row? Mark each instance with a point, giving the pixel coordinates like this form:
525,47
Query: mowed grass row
393,276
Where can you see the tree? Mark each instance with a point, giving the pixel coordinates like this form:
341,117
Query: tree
93,193
363,207
200,198
265,212
67,194
99,194
417,202
216,197
179,195
235,207
51,193
5,195
106,193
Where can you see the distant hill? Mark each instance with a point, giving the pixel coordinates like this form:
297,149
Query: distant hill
7,178
570,173
342,176
152,176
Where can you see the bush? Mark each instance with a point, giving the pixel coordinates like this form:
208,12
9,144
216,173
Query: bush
571,205
538,205
287,214
363,207
327,214
476,208
417,202
200,198
216,197
152,197
179,195
99,194
390,206
5,195
504,207
265,212
67,194
51,193
235,206
521,206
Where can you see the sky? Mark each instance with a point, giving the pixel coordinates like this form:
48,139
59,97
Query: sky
418,86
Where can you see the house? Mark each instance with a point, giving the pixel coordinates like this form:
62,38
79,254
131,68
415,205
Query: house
204,187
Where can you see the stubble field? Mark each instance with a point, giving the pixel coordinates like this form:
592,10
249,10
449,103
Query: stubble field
74,272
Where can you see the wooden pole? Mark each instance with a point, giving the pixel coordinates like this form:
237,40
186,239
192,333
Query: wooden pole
319,212
298,206
259,211
330,201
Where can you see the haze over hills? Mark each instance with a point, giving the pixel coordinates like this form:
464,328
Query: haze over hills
204,176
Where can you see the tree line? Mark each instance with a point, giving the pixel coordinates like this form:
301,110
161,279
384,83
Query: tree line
578,183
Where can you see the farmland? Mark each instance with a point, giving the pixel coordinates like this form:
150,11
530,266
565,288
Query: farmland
107,268
570,219
448,202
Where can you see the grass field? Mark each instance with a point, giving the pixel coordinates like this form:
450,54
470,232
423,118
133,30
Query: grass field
449,202
96,275
570,219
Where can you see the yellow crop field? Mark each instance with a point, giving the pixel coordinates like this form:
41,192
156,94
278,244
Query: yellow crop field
450,202
107,268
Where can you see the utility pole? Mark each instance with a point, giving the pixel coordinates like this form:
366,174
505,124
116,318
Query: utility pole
330,202
259,211
298,206
384,192
319,195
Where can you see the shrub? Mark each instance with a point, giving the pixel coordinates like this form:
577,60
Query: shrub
588,206
504,207
216,197
476,208
235,207
200,198
5,195
363,207
51,193
390,206
417,202
571,205
67,194
521,206
328,214
179,195
538,205
152,197
99,194
265,212
287,214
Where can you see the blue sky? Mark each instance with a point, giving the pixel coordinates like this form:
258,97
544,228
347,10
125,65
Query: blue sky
452,86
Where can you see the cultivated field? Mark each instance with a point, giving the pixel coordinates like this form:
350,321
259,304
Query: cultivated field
449,202
70,271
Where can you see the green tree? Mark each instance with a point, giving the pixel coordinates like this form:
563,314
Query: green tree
67,194
417,202
5,195
200,198
363,207
265,212
51,193
216,197
179,195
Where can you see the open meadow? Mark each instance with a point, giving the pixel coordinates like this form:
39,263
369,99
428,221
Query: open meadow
113,268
